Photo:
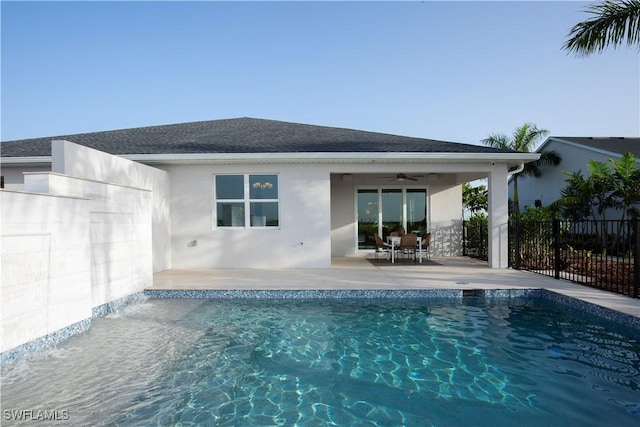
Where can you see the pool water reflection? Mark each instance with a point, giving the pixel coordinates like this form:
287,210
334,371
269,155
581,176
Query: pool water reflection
371,362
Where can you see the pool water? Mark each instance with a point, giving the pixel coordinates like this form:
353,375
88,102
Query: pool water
345,362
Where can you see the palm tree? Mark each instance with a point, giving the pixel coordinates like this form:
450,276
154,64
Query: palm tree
524,140
612,23
627,184
577,198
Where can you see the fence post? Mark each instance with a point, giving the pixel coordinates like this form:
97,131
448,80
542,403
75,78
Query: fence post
517,244
481,238
556,248
636,260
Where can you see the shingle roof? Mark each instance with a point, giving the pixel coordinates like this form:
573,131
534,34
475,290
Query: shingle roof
620,145
241,135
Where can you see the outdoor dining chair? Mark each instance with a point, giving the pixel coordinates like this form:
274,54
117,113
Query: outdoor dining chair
381,246
408,246
426,245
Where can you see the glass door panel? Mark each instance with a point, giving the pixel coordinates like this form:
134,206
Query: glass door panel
392,218
384,210
367,218
417,211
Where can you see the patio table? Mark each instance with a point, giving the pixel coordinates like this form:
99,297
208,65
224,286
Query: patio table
395,240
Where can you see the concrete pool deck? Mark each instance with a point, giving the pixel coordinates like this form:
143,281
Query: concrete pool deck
357,273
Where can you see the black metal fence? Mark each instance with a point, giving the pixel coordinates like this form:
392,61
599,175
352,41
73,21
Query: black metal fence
599,254
476,238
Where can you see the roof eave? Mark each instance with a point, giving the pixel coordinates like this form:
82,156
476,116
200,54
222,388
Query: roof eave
26,160
511,159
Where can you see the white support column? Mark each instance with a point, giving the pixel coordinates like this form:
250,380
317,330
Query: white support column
498,217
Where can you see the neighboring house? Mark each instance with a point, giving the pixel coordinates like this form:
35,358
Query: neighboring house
575,153
253,193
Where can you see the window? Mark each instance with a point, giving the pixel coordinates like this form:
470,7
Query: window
246,199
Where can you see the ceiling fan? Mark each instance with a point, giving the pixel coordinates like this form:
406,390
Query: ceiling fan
403,177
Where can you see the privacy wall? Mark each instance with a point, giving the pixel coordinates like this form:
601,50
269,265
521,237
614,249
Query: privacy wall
69,246
83,162
46,265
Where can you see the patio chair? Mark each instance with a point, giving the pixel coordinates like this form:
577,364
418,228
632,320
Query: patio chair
408,246
426,245
397,233
381,246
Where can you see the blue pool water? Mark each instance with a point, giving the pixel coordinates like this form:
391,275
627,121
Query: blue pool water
345,362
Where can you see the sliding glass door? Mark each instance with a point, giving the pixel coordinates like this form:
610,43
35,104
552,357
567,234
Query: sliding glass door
383,210
392,218
416,215
368,217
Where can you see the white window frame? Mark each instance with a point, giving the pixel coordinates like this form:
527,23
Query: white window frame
246,202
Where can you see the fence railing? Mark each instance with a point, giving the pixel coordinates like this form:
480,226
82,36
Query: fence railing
599,254
476,238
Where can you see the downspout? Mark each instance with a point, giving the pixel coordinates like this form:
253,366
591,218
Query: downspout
517,260
517,170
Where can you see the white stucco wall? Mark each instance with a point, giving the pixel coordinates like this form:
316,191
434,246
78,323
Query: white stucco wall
120,232
446,219
14,175
69,245
301,241
82,162
498,220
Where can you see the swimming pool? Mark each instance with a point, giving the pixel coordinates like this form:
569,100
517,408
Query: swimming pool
467,361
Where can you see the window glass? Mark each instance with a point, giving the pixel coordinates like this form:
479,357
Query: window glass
264,214
263,187
391,210
230,187
230,214
416,211
367,218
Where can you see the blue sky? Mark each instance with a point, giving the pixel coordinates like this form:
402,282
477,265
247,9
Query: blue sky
454,71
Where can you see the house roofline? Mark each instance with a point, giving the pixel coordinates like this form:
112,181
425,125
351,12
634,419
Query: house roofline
511,159
578,145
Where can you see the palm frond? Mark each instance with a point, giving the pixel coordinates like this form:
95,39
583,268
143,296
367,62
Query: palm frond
549,158
526,136
598,169
498,140
613,23
626,166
